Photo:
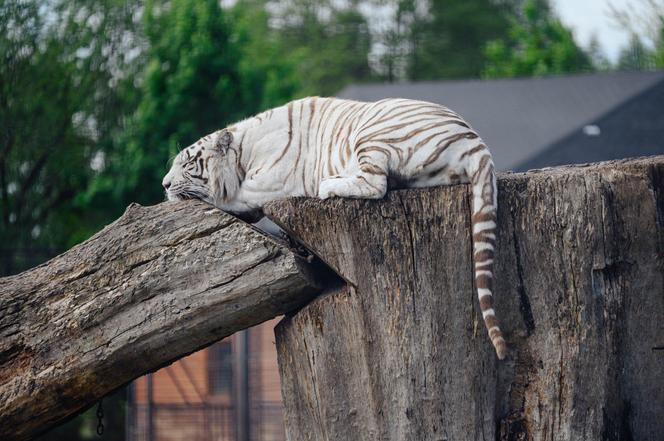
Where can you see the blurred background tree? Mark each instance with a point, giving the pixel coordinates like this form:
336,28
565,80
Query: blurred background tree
190,86
636,56
537,44
95,97
201,69
438,38
645,49
448,37
58,107
331,39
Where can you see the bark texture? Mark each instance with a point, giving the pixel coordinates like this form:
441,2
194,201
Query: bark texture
157,284
401,353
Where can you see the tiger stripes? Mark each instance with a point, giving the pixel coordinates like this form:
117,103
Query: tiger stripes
326,147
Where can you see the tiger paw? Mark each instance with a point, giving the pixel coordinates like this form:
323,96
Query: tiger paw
329,187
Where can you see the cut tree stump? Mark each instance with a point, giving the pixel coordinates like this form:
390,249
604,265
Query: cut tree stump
157,284
401,352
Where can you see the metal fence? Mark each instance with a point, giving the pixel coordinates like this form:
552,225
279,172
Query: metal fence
222,393
201,422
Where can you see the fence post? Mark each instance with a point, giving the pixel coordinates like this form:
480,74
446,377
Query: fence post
242,415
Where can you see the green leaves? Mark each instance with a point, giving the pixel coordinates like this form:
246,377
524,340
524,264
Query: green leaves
41,132
328,42
447,41
537,44
205,69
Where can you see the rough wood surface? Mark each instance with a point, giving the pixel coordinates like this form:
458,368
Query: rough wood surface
157,284
400,353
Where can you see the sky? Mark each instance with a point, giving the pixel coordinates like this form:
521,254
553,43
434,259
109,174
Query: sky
588,17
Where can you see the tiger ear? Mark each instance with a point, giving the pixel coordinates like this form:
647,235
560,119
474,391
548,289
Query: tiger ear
224,141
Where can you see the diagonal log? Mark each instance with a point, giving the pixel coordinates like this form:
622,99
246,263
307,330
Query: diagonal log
155,285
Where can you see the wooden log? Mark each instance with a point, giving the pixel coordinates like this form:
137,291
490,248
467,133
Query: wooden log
157,284
401,353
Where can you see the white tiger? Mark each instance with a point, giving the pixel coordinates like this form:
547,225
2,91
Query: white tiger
324,147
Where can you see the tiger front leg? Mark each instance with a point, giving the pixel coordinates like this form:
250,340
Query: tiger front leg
362,186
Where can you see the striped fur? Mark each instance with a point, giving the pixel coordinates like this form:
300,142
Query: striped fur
325,147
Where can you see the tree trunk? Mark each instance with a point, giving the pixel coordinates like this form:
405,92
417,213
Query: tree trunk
401,353
157,284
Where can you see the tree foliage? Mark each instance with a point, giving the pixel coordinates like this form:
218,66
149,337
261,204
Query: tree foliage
56,107
448,38
538,44
645,49
268,71
205,67
190,87
636,56
330,39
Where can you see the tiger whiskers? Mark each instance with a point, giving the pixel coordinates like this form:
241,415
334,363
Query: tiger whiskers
184,193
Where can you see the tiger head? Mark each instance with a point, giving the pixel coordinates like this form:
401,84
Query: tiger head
206,170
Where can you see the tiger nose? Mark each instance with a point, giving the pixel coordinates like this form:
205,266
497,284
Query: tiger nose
166,184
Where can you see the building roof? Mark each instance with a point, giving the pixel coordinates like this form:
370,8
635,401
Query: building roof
633,128
522,119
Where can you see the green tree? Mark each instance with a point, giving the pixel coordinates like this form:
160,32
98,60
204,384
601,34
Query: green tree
205,67
597,56
189,87
636,56
448,38
645,49
268,71
658,56
104,41
330,40
538,44
396,42
56,106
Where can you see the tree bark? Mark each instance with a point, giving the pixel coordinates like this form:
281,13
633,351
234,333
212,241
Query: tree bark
157,284
401,353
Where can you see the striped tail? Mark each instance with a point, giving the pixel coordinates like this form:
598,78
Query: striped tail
483,180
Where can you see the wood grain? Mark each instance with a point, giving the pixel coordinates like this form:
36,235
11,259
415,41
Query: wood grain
400,352
155,285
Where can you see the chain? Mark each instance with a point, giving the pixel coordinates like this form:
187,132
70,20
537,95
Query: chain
100,418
